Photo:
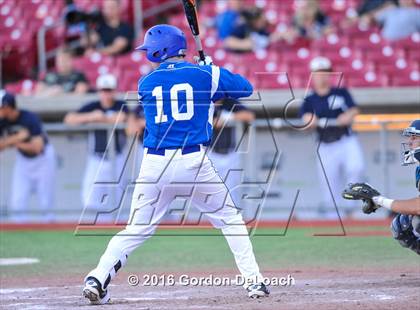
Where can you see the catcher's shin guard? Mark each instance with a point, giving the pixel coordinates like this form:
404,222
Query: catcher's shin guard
402,231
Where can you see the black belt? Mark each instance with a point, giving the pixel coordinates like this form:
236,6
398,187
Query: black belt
185,150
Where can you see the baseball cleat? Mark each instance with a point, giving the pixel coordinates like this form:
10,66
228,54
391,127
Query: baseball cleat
94,292
258,290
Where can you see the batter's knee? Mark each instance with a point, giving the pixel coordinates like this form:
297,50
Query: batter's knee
139,229
230,221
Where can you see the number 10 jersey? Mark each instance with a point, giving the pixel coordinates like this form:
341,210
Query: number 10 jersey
178,98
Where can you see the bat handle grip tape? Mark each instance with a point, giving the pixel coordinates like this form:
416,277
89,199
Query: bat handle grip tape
199,47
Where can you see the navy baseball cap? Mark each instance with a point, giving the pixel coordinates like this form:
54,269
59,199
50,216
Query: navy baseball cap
7,99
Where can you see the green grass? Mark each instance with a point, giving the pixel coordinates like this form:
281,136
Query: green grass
64,252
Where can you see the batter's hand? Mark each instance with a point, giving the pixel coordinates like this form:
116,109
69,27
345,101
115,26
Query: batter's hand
364,192
208,61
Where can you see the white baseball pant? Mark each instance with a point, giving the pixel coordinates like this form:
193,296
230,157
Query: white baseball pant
33,174
161,180
229,168
101,177
138,150
343,163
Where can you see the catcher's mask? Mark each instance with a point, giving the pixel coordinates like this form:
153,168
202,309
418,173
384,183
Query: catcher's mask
409,154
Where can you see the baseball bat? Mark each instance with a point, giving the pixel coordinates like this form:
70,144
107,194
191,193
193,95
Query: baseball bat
191,14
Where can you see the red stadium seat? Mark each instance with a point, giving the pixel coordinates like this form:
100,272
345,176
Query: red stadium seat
371,42
297,56
207,9
179,21
272,81
354,51
414,55
369,79
87,5
357,31
94,66
128,83
130,61
409,79
411,42
331,43
382,57
22,87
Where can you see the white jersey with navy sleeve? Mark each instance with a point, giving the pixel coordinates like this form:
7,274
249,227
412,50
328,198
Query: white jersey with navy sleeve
178,102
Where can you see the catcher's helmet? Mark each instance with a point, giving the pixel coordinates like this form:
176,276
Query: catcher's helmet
411,155
163,41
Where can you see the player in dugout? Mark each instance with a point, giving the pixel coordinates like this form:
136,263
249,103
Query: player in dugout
331,111
35,163
100,166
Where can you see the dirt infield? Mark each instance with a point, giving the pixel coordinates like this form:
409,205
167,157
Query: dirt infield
321,289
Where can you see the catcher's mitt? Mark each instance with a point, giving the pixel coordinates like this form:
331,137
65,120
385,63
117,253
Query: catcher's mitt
364,192
369,206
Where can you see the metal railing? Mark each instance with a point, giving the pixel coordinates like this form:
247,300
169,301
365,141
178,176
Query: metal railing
249,160
259,124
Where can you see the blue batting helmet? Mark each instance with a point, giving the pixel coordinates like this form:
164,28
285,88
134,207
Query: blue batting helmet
162,42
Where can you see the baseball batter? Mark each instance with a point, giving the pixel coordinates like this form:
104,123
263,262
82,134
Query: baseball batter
178,105
331,112
35,159
405,226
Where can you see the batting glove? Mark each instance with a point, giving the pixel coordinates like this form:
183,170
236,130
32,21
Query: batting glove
208,61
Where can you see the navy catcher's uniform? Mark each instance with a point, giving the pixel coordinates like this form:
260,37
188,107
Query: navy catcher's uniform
406,228
339,147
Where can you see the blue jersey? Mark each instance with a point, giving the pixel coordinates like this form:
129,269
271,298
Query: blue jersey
418,178
330,106
178,98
